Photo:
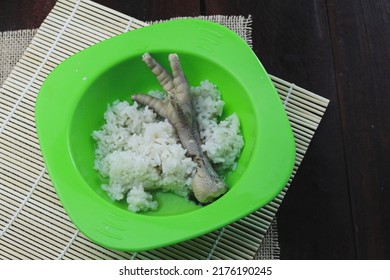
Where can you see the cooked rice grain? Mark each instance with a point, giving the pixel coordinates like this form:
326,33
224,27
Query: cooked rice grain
138,152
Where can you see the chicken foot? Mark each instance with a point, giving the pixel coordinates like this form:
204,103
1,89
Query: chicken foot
178,109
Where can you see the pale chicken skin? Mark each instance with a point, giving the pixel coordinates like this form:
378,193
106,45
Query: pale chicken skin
178,109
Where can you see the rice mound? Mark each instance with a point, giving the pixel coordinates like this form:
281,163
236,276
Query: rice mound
138,152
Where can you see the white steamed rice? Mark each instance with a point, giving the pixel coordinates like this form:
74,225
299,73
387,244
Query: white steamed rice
139,152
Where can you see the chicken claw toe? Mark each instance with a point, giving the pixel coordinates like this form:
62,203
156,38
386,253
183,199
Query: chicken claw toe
179,111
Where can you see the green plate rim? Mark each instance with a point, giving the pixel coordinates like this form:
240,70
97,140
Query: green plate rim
114,228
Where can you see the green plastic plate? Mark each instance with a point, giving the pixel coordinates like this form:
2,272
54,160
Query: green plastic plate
74,97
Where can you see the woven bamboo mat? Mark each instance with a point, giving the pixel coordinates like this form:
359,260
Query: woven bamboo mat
33,224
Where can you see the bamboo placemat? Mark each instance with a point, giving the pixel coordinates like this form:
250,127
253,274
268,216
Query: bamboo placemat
33,224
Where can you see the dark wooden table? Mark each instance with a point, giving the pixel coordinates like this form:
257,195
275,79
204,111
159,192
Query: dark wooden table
338,206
